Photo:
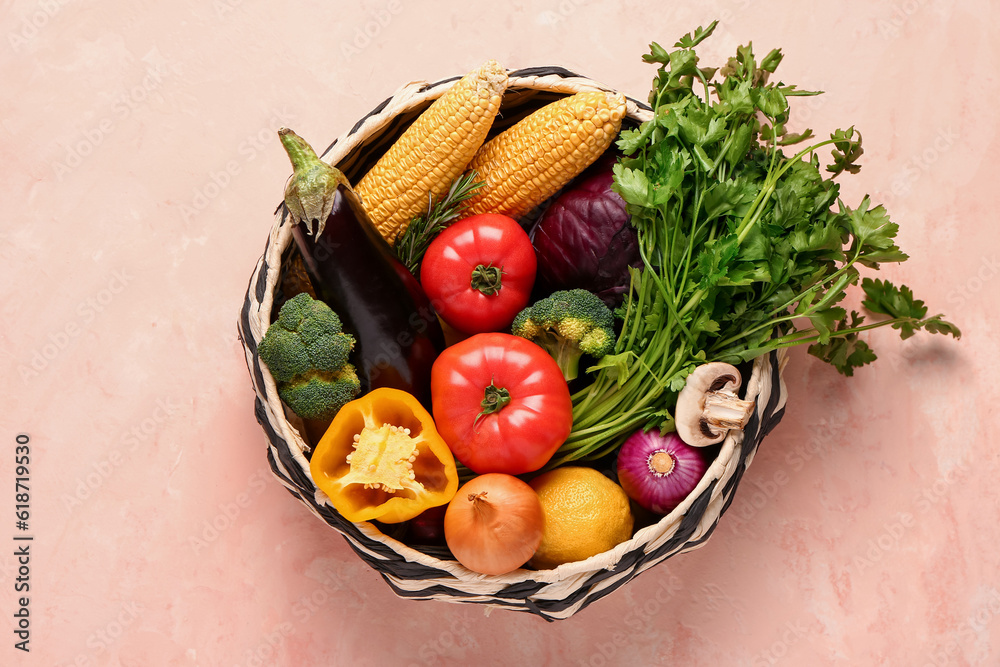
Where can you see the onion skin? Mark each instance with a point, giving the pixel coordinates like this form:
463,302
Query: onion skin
494,524
683,467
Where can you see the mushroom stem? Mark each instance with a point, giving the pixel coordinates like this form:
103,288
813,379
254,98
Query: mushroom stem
724,411
708,406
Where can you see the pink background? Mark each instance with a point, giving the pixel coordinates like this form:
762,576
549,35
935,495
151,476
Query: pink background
140,170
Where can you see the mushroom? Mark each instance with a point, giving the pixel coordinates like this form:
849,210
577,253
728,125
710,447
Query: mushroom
708,407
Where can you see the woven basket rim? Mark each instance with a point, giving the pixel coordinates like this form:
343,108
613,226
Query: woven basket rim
717,481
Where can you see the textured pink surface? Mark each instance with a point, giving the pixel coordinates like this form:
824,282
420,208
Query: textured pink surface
140,169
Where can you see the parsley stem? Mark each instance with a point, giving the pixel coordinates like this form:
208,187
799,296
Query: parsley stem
691,237
668,296
770,324
824,281
641,390
802,336
735,248
756,210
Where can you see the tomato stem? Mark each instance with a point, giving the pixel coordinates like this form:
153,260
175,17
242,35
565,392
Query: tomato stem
486,279
494,400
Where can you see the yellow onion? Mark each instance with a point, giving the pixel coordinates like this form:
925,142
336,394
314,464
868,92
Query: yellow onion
494,524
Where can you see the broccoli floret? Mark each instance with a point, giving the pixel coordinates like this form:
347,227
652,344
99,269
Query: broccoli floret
307,352
568,324
320,394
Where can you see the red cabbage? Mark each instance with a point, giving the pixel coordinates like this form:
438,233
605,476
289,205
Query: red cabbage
584,239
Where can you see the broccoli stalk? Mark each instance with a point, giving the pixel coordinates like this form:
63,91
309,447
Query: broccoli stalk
307,352
568,324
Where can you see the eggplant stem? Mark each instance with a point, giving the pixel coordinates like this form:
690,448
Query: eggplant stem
299,152
311,189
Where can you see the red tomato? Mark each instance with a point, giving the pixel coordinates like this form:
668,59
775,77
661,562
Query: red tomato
479,273
501,403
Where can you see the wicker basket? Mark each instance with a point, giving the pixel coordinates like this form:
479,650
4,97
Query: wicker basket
428,573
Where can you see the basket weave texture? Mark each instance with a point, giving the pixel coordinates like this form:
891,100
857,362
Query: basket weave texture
429,573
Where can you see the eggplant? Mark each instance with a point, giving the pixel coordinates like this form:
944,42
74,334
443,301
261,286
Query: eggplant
355,272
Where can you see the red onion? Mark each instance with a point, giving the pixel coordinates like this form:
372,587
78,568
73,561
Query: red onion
658,471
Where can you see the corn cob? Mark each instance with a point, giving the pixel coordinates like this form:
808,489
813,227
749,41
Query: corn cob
433,151
527,163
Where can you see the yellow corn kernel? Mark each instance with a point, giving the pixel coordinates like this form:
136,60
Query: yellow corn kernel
433,151
527,163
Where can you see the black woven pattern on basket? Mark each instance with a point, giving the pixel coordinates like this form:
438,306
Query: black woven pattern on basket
421,581
518,596
393,566
753,435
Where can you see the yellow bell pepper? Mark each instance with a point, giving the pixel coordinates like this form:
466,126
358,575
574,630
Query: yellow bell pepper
383,459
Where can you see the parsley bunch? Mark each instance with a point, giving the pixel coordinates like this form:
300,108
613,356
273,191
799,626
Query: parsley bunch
745,249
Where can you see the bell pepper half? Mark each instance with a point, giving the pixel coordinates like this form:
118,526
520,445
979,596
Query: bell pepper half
383,459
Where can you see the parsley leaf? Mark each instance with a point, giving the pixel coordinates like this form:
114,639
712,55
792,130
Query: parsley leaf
691,40
846,352
745,248
908,313
846,151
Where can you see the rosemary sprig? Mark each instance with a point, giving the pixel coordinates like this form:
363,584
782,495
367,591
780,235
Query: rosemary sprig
413,243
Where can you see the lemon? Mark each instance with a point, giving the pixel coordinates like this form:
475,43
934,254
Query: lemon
585,514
